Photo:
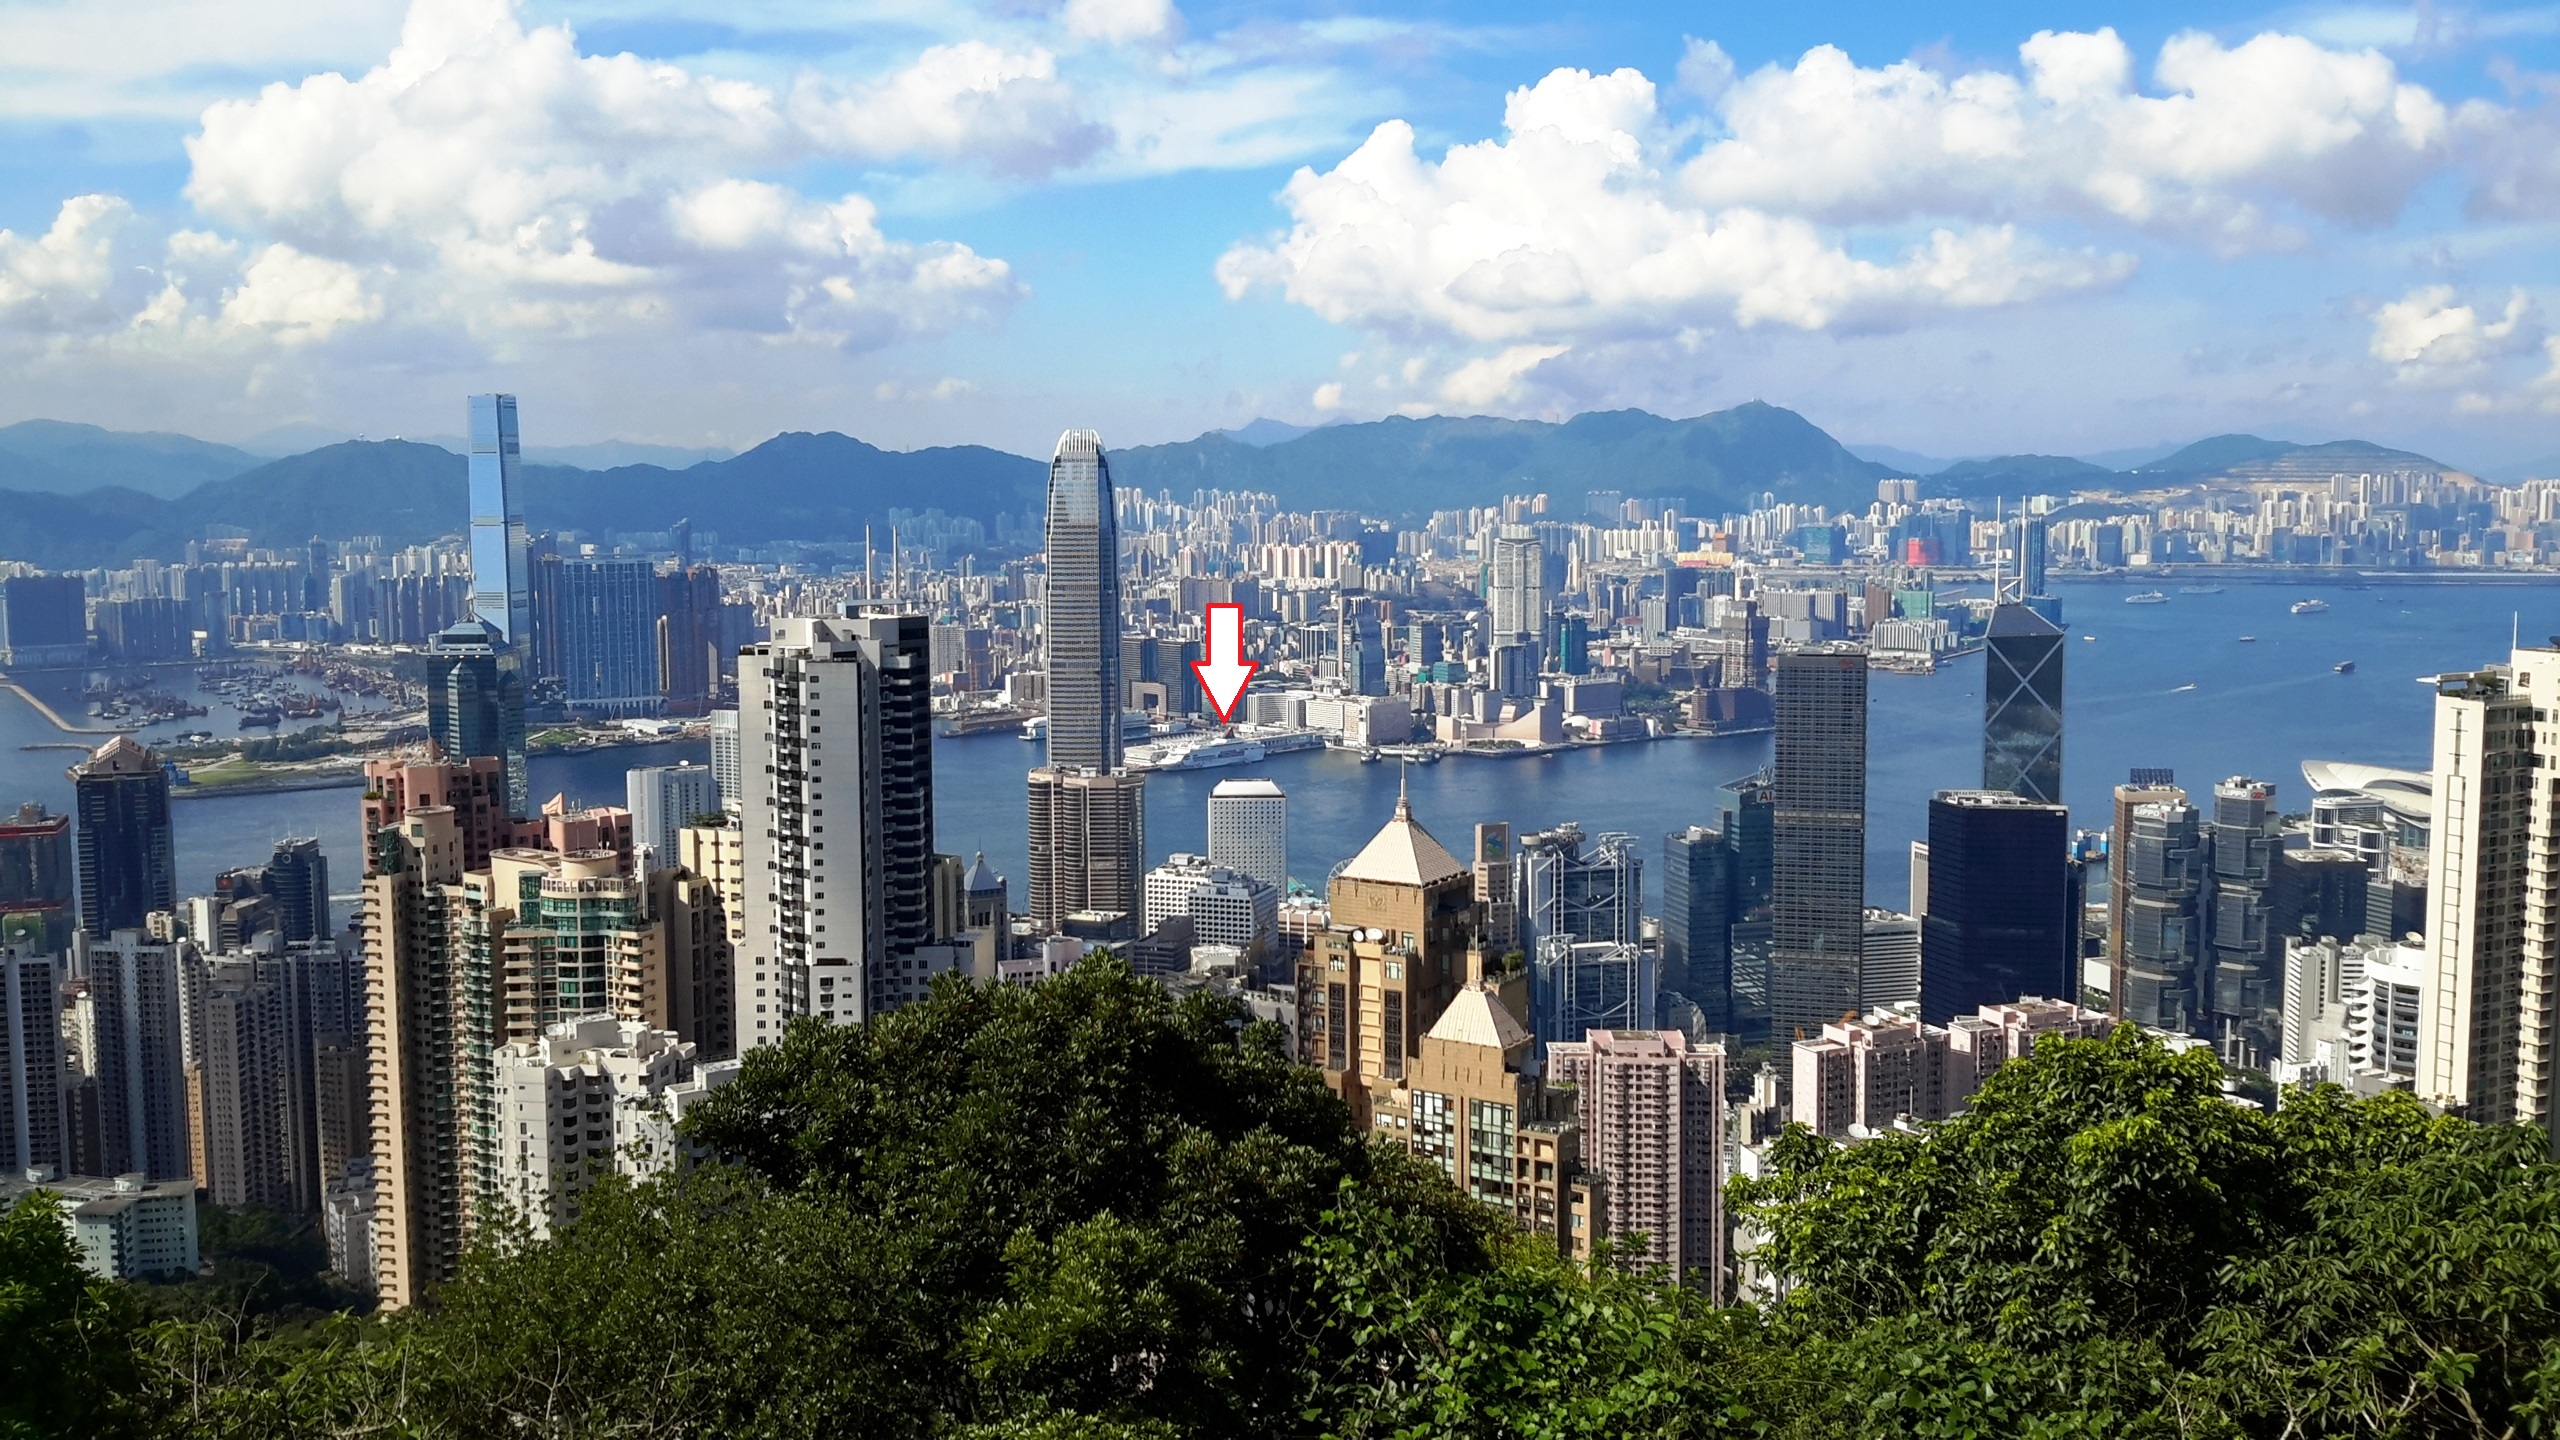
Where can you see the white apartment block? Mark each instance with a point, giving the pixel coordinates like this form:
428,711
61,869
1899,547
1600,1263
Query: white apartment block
2491,994
807,704
664,800
130,1227
584,1101
2383,1014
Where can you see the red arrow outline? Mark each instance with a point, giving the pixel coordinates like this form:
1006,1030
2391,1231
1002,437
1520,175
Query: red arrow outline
1227,712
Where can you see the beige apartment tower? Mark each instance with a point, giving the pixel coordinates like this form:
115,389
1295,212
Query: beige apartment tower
1376,979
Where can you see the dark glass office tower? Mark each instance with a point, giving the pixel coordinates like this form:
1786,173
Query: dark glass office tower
2168,857
289,896
36,870
2000,923
607,618
899,649
128,854
2022,705
475,702
1080,616
1744,811
1697,920
2247,993
1818,833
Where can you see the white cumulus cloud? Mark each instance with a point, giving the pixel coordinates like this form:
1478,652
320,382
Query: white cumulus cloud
1574,228
65,278
2237,144
2428,336
494,175
298,297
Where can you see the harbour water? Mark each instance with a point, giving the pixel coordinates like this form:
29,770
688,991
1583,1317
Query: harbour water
2257,708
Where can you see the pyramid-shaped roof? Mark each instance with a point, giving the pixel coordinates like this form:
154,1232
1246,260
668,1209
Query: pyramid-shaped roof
982,877
1478,1017
121,756
1403,854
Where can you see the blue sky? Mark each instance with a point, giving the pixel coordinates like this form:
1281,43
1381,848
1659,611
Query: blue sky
2069,228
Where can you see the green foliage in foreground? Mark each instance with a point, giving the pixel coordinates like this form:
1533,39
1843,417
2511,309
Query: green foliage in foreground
1086,1212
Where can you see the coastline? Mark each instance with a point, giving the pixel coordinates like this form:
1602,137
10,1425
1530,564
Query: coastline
52,717
268,785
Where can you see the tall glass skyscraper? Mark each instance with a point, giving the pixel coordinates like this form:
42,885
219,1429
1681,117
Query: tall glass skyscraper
501,581
1080,616
501,599
1818,839
2022,705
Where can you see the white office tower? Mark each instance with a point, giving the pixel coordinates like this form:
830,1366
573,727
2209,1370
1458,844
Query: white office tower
1516,588
1889,957
1225,907
1249,830
725,773
584,1101
663,800
2493,898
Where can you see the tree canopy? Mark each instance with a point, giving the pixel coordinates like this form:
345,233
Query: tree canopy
1086,1211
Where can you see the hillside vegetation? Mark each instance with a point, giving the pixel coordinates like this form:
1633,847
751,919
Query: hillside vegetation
1084,1211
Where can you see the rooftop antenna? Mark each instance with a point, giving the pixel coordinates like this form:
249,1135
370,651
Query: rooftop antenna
1404,786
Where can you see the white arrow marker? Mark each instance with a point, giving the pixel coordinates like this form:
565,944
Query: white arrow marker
1224,673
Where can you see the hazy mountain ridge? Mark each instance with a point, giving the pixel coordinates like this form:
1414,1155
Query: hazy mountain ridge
1409,468
62,458
829,486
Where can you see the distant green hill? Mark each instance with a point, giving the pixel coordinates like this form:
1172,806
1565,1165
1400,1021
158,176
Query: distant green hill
2217,453
2015,475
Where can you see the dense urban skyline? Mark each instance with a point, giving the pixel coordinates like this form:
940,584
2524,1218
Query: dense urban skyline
1695,929
2088,230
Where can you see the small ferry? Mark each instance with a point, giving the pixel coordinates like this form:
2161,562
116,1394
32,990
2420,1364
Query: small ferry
2183,689
2314,606
2146,597
2199,589
2344,667
2248,639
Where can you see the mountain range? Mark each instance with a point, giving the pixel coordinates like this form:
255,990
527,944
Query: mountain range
82,496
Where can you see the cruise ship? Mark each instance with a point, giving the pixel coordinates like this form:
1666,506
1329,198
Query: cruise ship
1206,755
2146,597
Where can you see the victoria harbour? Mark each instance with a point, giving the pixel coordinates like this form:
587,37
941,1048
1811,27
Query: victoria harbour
2169,685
